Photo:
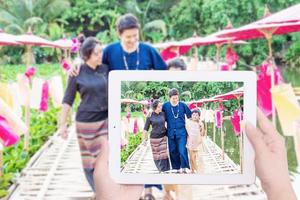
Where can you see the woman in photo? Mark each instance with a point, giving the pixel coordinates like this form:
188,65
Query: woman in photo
158,139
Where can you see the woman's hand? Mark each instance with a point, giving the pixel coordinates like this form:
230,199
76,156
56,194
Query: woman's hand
74,71
106,188
63,131
270,159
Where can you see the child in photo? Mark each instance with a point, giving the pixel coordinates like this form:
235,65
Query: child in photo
195,130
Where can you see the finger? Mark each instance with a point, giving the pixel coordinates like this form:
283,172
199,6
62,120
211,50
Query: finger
265,124
255,137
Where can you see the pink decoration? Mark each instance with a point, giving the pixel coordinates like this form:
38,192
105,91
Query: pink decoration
135,127
45,97
145,112
235,121
65,65
225,67
128,115
231,57
30,72
264,97
219,119
7,135
75,45
192,106
221,106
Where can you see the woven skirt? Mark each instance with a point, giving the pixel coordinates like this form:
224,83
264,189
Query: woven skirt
160,153
89,136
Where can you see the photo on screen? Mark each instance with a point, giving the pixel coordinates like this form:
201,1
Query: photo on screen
188,127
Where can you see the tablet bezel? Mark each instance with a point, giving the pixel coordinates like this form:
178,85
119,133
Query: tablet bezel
115,79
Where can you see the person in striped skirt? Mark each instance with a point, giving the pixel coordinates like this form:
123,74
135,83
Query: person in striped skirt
92,112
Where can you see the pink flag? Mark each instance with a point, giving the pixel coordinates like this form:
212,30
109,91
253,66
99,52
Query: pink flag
128,115
219,119
231,57
192,106
30,72
65,65
236,118
75,46
45,97
135,127
7,135
225,67
264,98
145,112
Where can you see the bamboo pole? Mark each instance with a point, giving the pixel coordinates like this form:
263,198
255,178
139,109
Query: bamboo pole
27,107
222,141
214,133
241,139
268,33
218,55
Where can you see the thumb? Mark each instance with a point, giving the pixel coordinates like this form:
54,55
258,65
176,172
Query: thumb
255,137
102,159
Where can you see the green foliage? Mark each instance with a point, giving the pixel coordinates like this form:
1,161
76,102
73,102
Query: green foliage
188,90
46,70
231,142
19,16
134,141
207,17
42,126
93,18
160,20
15,159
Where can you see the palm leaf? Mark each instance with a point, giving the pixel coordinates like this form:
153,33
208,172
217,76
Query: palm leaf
158,24
14,28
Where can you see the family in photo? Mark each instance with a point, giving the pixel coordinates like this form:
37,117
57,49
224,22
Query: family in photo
176,136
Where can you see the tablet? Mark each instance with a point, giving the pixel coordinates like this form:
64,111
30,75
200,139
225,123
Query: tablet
181,127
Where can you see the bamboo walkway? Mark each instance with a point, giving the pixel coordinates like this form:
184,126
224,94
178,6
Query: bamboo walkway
55,173
141,162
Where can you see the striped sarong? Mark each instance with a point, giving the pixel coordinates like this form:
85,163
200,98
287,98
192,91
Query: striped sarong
160,153
89,134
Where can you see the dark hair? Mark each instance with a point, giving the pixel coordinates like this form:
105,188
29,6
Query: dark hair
127,21
196,110
173,92
155,104
177,63
87,47
81,38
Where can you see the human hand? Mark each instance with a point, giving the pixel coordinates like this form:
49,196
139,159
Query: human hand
270,159
106,188
63,132
74,71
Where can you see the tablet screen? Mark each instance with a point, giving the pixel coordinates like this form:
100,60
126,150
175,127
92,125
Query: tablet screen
176,127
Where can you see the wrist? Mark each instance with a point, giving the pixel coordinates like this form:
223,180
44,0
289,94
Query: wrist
280,190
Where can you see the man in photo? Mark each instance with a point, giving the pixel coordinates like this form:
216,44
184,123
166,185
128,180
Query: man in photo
175,112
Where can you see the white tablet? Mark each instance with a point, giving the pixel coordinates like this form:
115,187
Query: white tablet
181,127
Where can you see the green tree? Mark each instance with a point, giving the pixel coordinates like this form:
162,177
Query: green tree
94,18
42,16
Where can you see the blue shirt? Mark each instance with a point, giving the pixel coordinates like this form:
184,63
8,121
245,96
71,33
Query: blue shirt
171,113
148,57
